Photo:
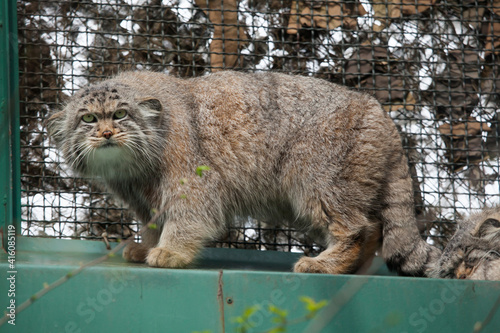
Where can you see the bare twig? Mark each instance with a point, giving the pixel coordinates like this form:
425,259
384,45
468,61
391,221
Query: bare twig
78,270
104,236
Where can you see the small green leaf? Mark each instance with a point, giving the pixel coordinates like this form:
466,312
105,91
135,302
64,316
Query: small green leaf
183,196
152,226
311,304
250,311
183,181
200,169
111,255
281,313
278,329
243,320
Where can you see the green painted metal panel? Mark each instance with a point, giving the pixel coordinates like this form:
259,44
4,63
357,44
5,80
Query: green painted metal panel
9,118
112,297
116,296
362,303
118,299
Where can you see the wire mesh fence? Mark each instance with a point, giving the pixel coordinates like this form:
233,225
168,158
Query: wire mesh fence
434,66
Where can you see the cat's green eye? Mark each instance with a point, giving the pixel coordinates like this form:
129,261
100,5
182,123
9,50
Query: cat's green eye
89,118
119,114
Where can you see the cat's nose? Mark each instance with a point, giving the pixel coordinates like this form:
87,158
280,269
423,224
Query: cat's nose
107,134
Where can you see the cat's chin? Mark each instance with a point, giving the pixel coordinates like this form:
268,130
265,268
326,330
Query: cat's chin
109,161
108,152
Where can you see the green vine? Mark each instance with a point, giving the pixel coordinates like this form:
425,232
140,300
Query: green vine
279,317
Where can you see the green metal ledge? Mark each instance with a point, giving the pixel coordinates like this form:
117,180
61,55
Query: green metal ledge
116,296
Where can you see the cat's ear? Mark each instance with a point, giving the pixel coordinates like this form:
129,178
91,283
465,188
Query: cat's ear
489,229
151,103
55,126
151,108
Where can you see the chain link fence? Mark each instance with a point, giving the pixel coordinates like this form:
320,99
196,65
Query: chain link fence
434,66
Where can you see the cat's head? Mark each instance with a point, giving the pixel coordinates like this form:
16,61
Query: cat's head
474,250
105,130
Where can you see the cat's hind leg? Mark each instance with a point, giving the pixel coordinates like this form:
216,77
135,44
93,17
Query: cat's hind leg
348,248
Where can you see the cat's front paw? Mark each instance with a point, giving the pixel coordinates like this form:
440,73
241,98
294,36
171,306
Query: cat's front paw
314,265
135,252
166,258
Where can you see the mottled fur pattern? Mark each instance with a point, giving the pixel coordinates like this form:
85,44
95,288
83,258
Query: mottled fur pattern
474,250
312,152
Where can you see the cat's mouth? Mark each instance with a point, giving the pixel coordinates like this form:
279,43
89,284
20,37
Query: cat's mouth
108,144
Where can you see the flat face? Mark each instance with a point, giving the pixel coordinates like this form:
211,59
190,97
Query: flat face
104,131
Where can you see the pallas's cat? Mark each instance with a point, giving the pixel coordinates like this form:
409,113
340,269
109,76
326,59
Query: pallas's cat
474,250
302,149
